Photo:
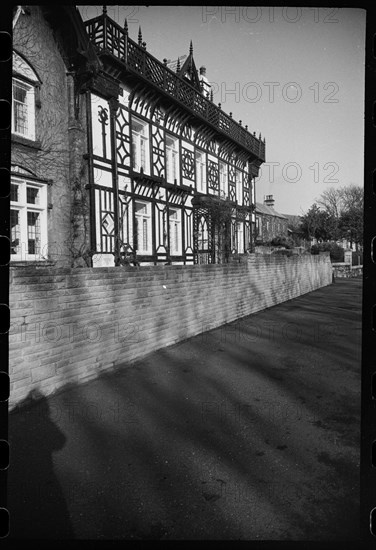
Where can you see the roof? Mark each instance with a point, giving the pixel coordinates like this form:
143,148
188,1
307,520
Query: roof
173,64
268,210
293,219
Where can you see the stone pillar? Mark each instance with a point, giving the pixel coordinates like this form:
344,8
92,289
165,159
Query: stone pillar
348,256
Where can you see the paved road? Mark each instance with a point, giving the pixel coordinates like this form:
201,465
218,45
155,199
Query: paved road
249,431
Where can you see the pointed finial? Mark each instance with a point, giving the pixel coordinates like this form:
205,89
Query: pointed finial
125,26
139,36
104,10
191,48
211,95
178,65
260,136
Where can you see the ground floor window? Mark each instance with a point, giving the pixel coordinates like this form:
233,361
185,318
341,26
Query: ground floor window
143,229
28,220
203,234
175,231
240,237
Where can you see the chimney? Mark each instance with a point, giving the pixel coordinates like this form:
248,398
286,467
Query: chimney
269,200
204,82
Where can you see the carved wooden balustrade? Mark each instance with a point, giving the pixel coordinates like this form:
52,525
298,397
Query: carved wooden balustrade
109,37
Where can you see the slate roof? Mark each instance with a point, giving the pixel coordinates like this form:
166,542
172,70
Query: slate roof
268,210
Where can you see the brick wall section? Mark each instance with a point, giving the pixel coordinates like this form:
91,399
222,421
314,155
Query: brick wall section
68,325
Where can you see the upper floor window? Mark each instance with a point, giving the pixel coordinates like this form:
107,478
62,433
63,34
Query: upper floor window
172,159
140,143
28,220
23,119
200,172
239,186
25,88
223,183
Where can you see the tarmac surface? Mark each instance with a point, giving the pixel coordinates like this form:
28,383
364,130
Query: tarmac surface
250,431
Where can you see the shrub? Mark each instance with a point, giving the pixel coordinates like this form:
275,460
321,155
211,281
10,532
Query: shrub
336,251
282,241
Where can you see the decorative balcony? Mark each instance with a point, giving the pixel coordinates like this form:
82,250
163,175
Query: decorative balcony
109,38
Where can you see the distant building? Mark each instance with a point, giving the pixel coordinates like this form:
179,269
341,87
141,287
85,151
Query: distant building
269,222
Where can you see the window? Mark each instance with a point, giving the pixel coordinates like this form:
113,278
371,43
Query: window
172,159
140,143
23,109
175,231
258,227
203,235
143,243
28,220
200,172
240,239
239,186
223,186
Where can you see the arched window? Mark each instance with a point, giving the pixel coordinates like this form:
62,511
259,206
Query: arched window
203,236
25,96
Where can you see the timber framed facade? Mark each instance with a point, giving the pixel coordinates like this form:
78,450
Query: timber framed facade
145,169
171,176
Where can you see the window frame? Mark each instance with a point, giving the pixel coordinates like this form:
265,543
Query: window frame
177,223
239,186
30,107
223,179
140,139
200,160
24,208
145,217
172,162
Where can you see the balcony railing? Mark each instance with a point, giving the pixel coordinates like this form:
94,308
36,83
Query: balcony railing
108,36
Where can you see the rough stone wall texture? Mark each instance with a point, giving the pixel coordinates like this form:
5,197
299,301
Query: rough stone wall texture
271,227
51,155
342,270
68,325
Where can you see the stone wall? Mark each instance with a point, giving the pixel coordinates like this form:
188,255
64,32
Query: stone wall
343,270
68,325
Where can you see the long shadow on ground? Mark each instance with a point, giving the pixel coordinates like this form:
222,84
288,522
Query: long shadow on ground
240,433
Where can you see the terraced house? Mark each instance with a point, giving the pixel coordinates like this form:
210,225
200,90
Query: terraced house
155,171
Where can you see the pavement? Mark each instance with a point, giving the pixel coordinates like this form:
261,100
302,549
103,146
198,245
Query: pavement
250,431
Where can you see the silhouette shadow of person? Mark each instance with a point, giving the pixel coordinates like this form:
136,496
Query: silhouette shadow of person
36,502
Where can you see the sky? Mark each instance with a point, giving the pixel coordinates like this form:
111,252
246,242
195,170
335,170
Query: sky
294,74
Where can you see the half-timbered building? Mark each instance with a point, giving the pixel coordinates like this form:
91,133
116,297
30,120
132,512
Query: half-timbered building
171,176
119,157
